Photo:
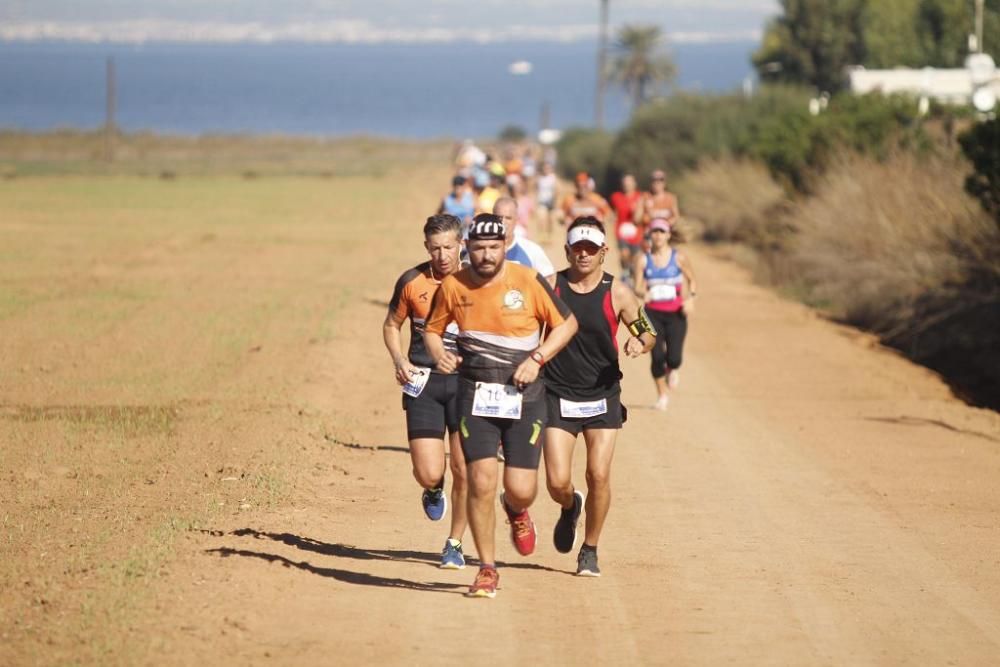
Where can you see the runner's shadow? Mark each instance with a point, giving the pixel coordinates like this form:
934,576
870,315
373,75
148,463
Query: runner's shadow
373,448
905,420
359,578
359,553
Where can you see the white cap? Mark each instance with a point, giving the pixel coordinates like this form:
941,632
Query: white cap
585,233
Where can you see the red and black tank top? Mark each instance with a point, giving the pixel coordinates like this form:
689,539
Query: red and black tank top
587,368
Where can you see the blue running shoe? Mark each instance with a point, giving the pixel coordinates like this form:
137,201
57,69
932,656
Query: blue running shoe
435,503
452,557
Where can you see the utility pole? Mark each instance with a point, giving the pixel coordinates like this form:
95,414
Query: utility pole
109,118
602,54
979,26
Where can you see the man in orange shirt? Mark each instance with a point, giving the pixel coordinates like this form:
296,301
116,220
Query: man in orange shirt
584,202
500,308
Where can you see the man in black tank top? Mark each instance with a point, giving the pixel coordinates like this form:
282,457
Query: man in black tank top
582,386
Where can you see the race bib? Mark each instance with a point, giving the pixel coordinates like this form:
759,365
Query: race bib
627,231
663,292
417,382
577,409
496,400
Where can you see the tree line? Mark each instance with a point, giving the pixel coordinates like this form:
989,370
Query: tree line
811,42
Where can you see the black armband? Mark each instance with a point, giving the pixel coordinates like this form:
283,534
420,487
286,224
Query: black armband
641,325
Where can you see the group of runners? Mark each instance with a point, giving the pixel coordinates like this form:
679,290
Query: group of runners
506,352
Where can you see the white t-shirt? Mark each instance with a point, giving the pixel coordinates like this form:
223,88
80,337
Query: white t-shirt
529,253
546,188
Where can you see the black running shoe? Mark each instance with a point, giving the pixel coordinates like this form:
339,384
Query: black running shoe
586,563
564,535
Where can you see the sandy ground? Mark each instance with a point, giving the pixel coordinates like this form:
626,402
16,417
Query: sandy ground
205,462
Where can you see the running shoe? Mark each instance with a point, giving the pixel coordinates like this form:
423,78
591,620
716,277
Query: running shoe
452,557
564,534
673,379
435,503
522,529
485,585
586,563
661,403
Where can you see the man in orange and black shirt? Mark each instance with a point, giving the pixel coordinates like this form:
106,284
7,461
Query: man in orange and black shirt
500,308
429,396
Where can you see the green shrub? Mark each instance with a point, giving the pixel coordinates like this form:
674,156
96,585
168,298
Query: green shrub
586,150
981,145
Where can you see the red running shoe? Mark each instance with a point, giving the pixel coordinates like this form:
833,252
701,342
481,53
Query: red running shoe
485,585
522,529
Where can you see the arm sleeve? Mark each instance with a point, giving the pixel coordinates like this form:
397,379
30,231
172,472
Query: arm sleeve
440,314
539,260
549,308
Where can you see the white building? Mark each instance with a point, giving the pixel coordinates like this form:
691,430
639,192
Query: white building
977,83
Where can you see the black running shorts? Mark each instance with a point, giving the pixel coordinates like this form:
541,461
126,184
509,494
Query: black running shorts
616,415
436,409
522,439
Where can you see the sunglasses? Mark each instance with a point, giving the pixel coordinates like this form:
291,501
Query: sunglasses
586,247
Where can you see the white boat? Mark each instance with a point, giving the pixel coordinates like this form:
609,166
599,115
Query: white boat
520,68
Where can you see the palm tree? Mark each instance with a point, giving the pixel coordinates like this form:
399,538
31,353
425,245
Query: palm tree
640,65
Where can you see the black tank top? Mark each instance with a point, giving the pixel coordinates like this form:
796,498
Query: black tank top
587,368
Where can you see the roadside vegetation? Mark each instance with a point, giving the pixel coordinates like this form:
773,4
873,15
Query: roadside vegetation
882,217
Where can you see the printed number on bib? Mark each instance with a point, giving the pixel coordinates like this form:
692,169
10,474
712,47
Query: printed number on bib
663,292
496,400
579,409
418,380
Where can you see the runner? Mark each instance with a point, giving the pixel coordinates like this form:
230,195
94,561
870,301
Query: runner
658,203
519,249
499,308
460,202
491,191
583,391
628,233
545,192
429,396
584,201
659,279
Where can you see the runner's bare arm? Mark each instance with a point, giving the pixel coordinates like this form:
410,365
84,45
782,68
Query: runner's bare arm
684,263
630,311
393,343
638,275
557,339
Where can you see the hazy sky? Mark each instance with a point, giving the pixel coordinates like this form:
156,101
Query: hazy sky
372,20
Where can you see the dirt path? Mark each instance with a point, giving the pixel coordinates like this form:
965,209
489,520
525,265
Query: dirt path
807,499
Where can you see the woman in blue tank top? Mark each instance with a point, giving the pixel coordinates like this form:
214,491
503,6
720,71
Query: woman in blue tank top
660,275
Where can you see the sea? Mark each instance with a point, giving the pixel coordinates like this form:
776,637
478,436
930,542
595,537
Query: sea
417,91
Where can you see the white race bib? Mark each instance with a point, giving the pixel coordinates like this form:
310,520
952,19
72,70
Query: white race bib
663,292
496,400
578,409
417,382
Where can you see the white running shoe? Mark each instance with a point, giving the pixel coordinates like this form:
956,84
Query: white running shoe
661,403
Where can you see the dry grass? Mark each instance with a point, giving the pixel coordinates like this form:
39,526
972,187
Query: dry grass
878,239
900,249
732,200
895,247
169,157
